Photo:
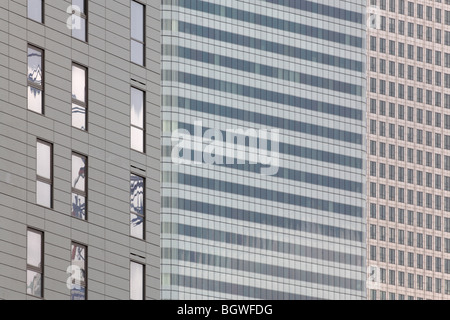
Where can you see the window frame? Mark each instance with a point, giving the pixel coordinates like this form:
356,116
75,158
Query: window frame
42,2
40,87
86,188
86,97
82,15
143,216
42,179
143,279
79,244
144,120
33,268
144,32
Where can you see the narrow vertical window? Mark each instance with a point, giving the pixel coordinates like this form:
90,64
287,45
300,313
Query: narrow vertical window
79,192
137,33
44,174
79,95
35,79
137,207
35,10
79,18
137,120
137,274
34,263
78,256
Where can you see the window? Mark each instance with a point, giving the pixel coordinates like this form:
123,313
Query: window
35,10
79,97
137,206
34,263
79,17
78,256
137,33
137,276
79,190
44,174
35,79
137,120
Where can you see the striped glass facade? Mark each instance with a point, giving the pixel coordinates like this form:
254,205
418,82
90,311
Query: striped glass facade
229,231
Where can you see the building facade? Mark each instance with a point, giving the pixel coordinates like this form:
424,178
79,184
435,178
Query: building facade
79,149
290,222
408,119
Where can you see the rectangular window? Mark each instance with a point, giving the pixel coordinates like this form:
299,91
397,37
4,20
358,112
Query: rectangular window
79,97
78,257
79,186
35,10
79,18
137,33
137,206
35,264
137,120
44,174
137,276
35,79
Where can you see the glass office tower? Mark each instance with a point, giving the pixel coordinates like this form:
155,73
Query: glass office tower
409,150
235,230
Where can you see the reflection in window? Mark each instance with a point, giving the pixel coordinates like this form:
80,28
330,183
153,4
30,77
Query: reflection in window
137,33
79,18
137,198
79,177
78,269
35,78
136,281
35,10
34,263
137,120
79,97
44,179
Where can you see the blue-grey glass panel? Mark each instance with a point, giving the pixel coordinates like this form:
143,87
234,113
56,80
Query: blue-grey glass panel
78,206
137,139
271,195
136,281
262,218
253,92
34,99
268,71
79,29
235,289
79,4
78,117
280,24
35,71
43,160
43,194
137,52
34,283
263,243
79,83
34,10
137,21
266,269
271,47
137,195
34,249
137,226
137,108
78,172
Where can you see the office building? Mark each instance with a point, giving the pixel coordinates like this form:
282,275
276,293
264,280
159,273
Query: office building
408,246
79,149
290,224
